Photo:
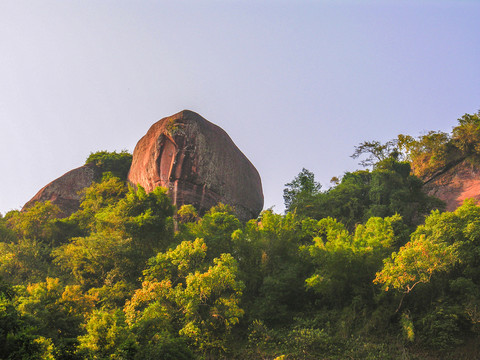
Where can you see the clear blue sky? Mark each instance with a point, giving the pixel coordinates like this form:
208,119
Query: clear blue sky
294,83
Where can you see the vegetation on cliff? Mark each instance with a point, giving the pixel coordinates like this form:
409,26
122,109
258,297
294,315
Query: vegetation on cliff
116,163
432,152
368,269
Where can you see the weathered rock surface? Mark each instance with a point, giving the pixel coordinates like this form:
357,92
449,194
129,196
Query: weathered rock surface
455,184
64,191
198,163
195,159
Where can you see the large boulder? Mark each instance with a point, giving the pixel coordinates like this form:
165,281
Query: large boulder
198,163
65,192
455,183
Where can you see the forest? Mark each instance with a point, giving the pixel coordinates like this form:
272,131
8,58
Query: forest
370,268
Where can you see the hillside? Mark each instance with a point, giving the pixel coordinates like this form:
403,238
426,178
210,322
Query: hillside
194,159
372,268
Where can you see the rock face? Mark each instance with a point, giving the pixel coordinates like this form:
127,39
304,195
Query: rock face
195,159
198,163
455,184
64,191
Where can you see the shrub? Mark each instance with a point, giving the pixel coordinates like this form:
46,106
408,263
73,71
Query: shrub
116,163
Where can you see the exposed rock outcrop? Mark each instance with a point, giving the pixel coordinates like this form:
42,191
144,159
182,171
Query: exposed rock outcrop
198,163
195,159
455,184
65,191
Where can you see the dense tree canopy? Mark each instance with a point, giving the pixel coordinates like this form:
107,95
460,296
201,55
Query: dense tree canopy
371,268
386,190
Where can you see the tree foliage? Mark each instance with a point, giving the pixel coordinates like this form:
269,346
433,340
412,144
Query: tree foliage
441,263
301,190
199,298
466,135
345,262
386,190
377,152
362,270
116,163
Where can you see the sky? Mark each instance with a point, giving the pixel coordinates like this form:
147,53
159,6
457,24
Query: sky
296,84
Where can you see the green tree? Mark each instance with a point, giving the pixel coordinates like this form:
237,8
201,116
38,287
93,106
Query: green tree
36,223
9,318
25,261
55,313
107,337
199,299
272,266
96,198
466,135
125,234
386,190
145,217
116,163
437,150
428,153
416,262
215,228
17,338
377,152
346,263
437,276
6,234
187,214
301,191
97,260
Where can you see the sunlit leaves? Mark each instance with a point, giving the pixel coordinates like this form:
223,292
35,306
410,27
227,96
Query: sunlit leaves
36,223
466,135
55,311
95,259
25,260
445,240
177,263
201,299
215,228
386,190
107,337
344,260
415,263
97,197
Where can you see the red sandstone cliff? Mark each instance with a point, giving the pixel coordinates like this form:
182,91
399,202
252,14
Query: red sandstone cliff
195,159
65,191
198,163
455,184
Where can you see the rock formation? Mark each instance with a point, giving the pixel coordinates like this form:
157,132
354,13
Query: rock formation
195,159
198,163
65,191
454,184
